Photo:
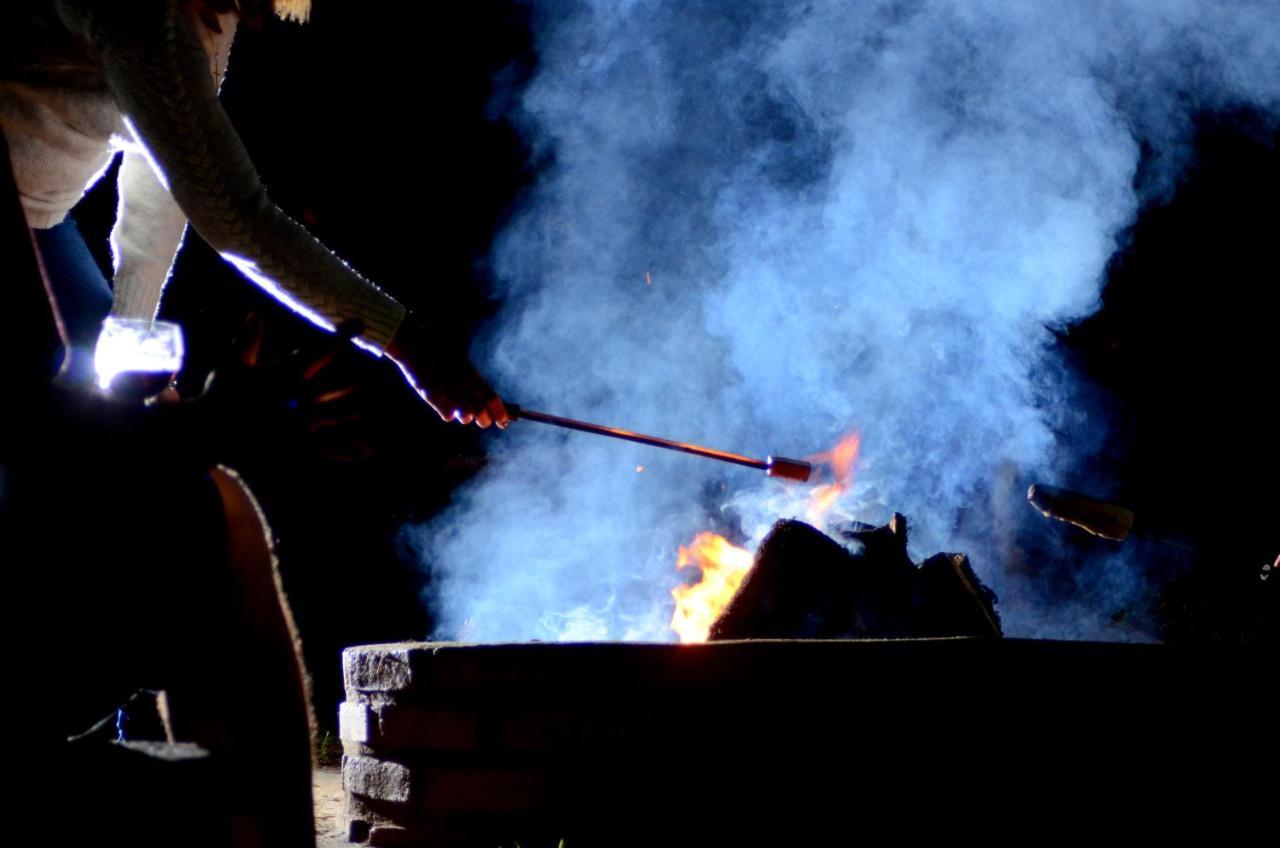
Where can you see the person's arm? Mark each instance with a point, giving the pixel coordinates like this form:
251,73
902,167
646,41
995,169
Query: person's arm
146,236
149,223
156,68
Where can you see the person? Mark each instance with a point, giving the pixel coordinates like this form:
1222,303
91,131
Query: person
84,80
195,609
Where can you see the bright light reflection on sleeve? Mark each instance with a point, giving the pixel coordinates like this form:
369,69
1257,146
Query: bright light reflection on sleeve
251,270
161,177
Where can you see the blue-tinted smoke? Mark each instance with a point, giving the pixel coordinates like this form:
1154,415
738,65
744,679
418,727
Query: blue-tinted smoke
765,224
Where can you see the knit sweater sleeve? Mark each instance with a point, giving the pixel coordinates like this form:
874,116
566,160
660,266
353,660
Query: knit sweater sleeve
147,233
157,69
149,223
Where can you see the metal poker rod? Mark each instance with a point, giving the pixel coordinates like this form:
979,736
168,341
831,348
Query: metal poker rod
773,466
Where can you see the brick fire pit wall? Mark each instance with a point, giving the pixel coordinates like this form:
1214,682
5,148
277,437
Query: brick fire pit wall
606,743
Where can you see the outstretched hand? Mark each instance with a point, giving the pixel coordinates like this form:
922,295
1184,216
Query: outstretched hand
446,380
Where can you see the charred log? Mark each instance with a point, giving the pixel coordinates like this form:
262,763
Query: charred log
805,584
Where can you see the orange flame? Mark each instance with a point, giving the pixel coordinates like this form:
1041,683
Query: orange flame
840,460
723,567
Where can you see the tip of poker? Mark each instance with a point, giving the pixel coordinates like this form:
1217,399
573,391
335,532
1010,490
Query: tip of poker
788,469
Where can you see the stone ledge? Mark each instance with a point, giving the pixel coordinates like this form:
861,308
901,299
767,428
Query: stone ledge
433,670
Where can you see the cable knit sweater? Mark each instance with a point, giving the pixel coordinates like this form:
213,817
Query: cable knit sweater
82,80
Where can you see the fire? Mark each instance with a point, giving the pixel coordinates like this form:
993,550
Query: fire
840,460
723,567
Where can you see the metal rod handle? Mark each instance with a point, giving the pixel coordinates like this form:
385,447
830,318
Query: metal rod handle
790,469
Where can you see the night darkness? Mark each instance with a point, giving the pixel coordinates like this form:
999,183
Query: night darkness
382,132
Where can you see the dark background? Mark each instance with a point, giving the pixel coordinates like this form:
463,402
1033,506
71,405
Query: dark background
375,129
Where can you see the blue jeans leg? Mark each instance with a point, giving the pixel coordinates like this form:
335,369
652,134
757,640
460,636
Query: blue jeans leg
84,298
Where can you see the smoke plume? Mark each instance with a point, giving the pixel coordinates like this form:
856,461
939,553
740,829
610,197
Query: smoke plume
763,225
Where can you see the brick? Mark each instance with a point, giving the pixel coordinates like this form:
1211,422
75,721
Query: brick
436,828
390,836
444,824
389,726
377,668
494,789
587,724
383,792
370,813
379,779
409,726
538,731
354,720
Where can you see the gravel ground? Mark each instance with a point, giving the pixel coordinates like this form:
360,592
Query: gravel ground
327,786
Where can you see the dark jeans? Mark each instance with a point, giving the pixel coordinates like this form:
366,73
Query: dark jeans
83,296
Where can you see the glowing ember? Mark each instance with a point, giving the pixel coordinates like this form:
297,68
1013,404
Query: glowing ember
699,605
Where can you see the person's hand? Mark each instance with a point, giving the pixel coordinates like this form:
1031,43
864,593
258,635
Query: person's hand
446,380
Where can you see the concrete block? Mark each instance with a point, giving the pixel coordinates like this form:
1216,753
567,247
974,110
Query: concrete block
437,829
377,668
410,726
484,789
391,726
382,792
535,731
379,779
354,720
369,813
390,836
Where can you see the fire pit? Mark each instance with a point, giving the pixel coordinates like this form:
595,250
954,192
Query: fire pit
605,744
929,711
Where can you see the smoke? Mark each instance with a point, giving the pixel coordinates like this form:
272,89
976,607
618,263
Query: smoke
765,224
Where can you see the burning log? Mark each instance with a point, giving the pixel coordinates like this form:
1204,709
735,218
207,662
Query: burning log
1089,514
805,584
